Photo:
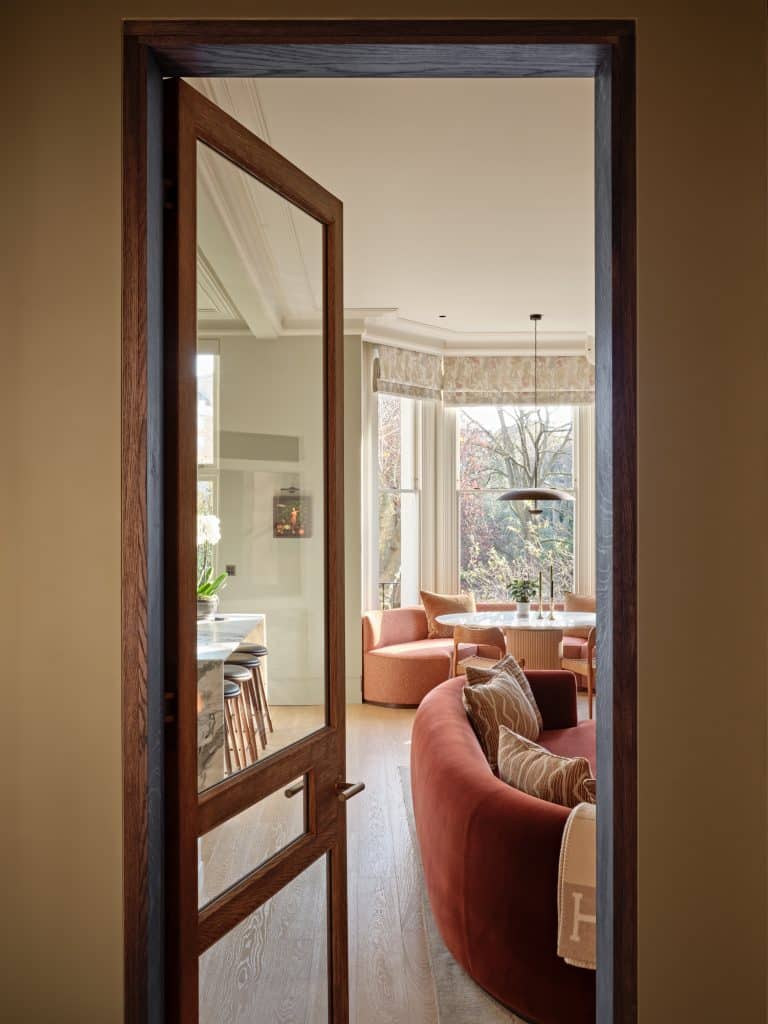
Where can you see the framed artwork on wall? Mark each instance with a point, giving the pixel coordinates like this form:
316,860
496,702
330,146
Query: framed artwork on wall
291,514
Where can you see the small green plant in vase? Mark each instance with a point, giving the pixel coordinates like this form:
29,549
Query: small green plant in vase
208,585
521,591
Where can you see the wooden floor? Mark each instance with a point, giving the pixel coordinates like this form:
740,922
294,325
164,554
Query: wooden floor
271,968
390,979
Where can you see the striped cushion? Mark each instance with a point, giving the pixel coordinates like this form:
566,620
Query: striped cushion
482,675
495,703
534,770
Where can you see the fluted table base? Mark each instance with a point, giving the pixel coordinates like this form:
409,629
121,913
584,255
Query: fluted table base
539,647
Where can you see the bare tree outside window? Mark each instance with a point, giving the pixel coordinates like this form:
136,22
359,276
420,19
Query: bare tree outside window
399,531
501,447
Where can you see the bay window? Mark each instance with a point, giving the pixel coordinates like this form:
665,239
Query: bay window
443,440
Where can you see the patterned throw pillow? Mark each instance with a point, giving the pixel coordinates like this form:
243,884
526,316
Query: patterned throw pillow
444,604
534,770
509,665
499,702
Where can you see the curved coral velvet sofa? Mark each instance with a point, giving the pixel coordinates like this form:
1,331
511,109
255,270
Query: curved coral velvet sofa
490,853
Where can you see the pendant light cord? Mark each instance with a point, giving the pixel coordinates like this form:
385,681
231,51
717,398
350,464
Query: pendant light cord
535,395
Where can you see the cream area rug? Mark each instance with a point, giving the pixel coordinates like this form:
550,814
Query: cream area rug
459,999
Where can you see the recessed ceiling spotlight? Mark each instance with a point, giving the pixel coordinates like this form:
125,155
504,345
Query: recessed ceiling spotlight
442,316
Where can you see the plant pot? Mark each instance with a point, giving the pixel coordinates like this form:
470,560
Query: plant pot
207,608
523,609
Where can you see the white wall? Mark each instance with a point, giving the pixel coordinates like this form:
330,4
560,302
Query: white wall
275,387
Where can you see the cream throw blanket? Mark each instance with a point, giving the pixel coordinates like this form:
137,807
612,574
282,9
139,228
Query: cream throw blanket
576,889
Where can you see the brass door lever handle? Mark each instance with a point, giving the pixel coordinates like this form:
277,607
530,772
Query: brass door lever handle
346,790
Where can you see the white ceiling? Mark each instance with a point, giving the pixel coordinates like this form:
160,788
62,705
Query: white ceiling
472,198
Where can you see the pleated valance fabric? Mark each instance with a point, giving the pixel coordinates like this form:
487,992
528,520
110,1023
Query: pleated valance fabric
509,380
399,371
483,380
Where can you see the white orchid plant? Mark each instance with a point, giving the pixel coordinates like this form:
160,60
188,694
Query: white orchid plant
208,536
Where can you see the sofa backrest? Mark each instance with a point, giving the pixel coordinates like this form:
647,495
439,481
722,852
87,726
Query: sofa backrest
580,603
382,628
511,606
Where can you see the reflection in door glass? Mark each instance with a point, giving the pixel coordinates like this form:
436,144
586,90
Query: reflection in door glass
247,840
260,495
274,965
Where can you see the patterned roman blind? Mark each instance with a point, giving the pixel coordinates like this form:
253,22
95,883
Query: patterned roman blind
508,380
399,371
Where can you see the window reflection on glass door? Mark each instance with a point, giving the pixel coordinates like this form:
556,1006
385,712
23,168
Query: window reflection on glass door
260,465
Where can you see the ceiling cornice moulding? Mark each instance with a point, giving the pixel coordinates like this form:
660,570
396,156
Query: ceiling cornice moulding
355,320
401,333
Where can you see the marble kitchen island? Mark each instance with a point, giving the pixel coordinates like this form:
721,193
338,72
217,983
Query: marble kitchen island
216,640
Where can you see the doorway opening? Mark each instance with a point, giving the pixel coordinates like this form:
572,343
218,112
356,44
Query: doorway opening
264,53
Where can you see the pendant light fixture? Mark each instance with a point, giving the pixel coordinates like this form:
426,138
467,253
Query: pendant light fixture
535,493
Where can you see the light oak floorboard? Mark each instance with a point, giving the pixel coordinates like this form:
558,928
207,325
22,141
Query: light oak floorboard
271,968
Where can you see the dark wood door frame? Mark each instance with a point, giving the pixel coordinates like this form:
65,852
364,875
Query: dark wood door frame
457,48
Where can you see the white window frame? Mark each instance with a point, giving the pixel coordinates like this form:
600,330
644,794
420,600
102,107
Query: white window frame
212,347
585,489
210,471
423,483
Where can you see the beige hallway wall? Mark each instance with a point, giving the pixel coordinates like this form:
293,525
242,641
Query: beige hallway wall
702,321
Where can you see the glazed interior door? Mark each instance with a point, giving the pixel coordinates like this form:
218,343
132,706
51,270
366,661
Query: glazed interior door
255,783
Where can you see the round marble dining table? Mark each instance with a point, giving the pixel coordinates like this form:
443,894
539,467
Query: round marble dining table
536,640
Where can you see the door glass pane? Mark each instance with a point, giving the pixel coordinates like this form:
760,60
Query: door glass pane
274,965
260,434
239,845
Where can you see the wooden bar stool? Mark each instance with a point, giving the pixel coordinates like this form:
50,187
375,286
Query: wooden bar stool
237,719
252,690
258,651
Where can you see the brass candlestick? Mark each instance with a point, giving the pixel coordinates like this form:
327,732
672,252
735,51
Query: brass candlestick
551,591
541,600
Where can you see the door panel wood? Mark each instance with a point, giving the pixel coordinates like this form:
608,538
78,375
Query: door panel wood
190,120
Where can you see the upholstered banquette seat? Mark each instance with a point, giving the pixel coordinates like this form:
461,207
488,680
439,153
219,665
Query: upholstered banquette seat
401,664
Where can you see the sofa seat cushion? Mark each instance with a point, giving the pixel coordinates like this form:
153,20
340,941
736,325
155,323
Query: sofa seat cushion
424,650
573,647
578,741
404,673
